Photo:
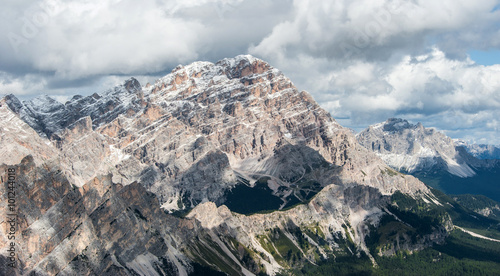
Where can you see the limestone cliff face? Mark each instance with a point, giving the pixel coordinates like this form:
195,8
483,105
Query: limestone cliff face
100,228
18,139
106,169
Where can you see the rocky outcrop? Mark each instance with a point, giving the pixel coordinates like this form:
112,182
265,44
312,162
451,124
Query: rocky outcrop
101,228
48,117
18,139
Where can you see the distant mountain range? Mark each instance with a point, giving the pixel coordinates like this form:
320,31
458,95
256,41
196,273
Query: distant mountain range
454,167
480,151
226,169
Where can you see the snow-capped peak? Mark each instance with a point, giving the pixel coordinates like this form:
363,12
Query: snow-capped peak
48,116
480,151
44,104
234,62
411,147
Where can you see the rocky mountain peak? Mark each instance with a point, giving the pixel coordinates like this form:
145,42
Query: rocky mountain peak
240,111
236,133
480,151
227,75
243,65
412,147
44,104
48,117
12,102
132,85
122,92
396,124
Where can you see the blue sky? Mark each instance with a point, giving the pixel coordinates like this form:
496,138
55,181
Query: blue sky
491,57
435,62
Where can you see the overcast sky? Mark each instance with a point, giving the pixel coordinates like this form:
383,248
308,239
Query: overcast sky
437,62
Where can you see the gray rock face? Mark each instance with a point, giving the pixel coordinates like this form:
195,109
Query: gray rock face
412,148
48,117
101,228
477,163
18,139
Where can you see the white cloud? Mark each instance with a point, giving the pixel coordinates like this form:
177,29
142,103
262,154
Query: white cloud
122,37
447,94
363,60
365,28
80,39
26,85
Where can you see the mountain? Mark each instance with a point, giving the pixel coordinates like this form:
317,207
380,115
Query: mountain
47,116
411,148
432,157
199,131
480,151
215,168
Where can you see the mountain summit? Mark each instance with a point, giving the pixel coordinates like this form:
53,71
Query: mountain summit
411,147
434,158
146,180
